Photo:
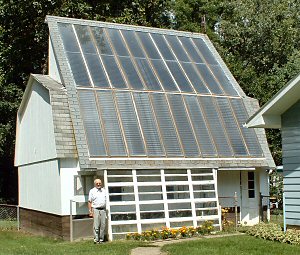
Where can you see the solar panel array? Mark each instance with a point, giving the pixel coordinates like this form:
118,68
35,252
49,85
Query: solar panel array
154,94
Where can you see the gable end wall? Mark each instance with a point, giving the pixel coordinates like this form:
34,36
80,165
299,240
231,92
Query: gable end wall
291,163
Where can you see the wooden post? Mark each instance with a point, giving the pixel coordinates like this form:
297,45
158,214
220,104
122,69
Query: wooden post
71,222
235,210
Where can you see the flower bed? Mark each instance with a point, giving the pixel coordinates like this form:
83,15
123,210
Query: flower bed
273,232
172,233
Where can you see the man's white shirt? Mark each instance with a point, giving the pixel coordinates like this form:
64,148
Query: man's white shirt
97,197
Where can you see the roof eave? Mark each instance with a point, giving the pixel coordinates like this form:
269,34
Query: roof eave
269,116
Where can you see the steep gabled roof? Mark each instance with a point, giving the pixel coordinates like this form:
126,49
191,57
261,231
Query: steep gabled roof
145,93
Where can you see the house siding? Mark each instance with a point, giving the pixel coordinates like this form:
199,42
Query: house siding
39,187
36,136
291,163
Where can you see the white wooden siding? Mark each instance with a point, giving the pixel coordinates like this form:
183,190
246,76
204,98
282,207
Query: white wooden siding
228,183
40,187
68,169
36,141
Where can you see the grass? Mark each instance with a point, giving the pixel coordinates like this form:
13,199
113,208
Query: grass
234,245
13,242
5,224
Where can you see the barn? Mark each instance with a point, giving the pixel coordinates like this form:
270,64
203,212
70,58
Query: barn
154,113
283,112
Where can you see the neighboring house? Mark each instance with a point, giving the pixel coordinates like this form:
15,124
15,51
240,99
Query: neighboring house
155,113
283,111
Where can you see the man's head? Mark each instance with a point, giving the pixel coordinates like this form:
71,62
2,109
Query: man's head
98,183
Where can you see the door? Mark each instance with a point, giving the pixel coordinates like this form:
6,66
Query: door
249,198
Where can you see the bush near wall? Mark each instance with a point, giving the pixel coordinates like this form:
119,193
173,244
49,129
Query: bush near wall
273,232
172,233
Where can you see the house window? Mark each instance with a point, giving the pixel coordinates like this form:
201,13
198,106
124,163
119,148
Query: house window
251,185
83,184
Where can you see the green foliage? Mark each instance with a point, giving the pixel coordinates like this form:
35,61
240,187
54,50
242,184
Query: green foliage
274,232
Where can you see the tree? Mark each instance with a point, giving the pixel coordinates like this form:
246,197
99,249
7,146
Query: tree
259,41
24,50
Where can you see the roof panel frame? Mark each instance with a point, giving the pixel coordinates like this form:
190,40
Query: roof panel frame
156,123
190,123
210,128
118,119
115,56
164,61
171,119
82,55
205,123
235,122
133,60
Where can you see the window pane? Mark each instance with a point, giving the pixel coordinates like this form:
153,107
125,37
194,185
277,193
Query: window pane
194,77
164,75
149,126
189,47
248,133
68,37
130,124
206,53
183,126
131,74
216,128
209,79
163,46
101,41
84,38
166,125
177,48
78,69
111,124
148,45
113,71
117,42
179,76
148,75
251,193
91,123
200,127
96,70
232,127
133,44
223,80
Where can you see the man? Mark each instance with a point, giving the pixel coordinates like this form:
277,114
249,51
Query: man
97,210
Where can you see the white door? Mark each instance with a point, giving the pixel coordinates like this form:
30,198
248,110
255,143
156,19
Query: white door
250,198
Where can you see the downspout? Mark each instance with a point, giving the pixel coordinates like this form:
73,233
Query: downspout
241,197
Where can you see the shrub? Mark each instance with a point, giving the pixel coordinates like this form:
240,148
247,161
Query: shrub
274,232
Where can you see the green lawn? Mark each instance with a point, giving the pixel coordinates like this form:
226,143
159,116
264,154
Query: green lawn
234,245
13,242
17,243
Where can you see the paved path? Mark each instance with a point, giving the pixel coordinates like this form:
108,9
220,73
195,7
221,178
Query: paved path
155,250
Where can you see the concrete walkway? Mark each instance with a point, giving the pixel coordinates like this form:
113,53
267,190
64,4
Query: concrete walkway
155,249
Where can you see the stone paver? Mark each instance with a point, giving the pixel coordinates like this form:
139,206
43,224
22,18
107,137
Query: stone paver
155,249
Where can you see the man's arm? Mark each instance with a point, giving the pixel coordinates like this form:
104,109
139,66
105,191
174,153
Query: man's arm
90,208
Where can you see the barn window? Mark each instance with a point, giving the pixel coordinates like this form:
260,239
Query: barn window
251,185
